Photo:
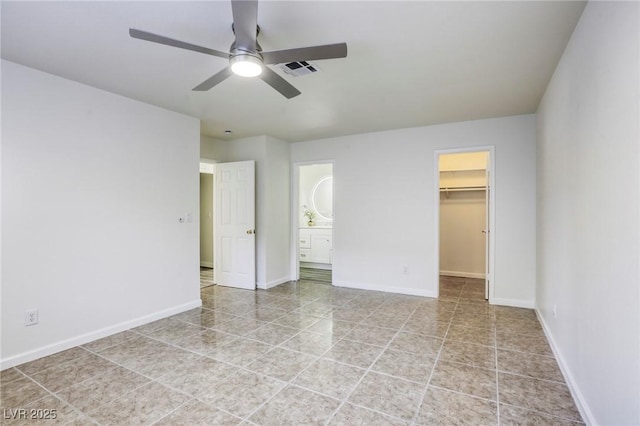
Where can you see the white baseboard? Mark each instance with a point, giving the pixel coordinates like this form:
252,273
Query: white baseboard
387,289
94,335
206,264
516,303
463,274
581,403
272,283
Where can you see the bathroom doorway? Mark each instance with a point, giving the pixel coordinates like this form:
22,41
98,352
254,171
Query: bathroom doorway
314,225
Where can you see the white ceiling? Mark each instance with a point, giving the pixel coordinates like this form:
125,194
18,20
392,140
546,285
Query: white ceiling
409,63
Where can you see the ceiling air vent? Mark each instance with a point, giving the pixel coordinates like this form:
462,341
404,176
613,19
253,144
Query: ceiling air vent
296,69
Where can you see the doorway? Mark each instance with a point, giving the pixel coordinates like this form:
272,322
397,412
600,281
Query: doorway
207,177
313,205
463,209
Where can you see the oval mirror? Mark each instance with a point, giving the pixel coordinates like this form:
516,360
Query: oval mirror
322,198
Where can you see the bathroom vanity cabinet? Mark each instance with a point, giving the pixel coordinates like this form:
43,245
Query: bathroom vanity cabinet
316,245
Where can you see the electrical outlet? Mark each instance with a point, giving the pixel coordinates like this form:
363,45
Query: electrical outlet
31,317
405,270
555,310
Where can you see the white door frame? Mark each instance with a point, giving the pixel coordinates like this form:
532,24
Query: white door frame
295,213
491,167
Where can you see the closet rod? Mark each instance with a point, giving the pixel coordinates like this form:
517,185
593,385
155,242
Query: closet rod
463,188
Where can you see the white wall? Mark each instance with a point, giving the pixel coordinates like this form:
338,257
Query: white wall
588,210
93,185
278,221
272,200
385,204
211,148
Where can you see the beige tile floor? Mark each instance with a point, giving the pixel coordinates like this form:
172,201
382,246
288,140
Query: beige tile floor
308,353
206,277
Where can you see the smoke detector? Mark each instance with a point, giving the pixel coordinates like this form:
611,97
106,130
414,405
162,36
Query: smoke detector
297,69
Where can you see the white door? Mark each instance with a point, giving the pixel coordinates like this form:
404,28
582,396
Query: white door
487,231
235,240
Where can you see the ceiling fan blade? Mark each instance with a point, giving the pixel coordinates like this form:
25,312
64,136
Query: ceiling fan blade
155,38
279,83
327,51
245,23
213,80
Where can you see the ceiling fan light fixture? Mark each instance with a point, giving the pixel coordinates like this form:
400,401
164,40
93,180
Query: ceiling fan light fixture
246,65
246,57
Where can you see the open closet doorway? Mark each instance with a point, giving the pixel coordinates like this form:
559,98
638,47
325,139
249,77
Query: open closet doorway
314,212
465,204
207,177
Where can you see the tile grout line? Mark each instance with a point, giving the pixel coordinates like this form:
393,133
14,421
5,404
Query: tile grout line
433,369
192,397
289,382
171,412
461,393
49,393
157,380
368,370
546,414
128,392
59,397
18,367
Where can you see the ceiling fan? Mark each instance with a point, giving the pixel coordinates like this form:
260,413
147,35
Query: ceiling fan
245,56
